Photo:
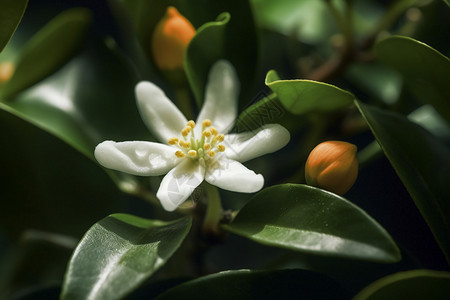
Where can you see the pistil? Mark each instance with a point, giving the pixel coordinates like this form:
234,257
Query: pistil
204,148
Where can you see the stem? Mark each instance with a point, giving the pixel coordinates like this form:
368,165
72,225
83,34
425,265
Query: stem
339,63
213,211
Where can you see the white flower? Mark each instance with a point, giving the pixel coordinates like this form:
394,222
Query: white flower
191,152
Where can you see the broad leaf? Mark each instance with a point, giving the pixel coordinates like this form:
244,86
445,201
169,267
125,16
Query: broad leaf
306,96
83,117
422,163
11,12
40,183
246,284
308,219
416,284
118,253
49,49
425,70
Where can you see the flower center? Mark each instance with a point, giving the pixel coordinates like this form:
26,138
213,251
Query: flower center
206,147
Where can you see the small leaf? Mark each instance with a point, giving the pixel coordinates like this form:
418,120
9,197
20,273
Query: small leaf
425,70
308,219
205,48
49,49
118,253
422,163
247,284
416,284
11,12
306,96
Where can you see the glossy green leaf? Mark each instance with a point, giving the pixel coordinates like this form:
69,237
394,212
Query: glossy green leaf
308,219
415,284
246,284
200,57
118,253
422,163
40,183
306,96
49,49
425,70
11,12
83,117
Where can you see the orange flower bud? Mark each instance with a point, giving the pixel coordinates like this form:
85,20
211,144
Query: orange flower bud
170,40
332,166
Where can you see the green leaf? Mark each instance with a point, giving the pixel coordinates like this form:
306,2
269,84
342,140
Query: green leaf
425,70
49,49
40,183
200,57
11,12
118,253
308,219
416,284
246,284
306,96
422,163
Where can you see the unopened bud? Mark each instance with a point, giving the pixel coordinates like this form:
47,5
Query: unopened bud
332,166
170,39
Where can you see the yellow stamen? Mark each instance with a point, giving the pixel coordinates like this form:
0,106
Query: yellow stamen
206,123
186,131
206,133
184,144
192,153
219,138
191,124
207,146
221,148
179,154
213,131
173,141
211,153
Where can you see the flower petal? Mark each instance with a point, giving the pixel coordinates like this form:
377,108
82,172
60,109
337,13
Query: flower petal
137,158
248,145
161,116
221,97
179,183
233,176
